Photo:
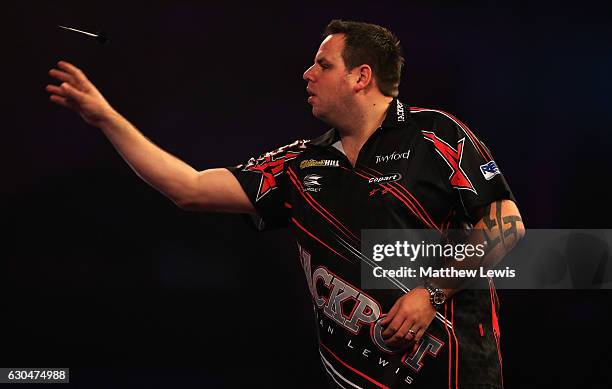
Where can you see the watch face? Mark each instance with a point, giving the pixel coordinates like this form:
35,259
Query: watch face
439,297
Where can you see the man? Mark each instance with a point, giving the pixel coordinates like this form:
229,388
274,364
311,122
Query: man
383,165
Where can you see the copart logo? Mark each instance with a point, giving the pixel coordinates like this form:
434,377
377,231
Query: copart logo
311,183
319,163
392,157
385,179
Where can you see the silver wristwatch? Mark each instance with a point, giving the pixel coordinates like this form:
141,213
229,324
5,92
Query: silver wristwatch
437,297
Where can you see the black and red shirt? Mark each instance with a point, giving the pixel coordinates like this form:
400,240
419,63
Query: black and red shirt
423,168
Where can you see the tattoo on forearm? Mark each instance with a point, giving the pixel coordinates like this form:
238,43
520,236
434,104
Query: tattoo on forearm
512,230
499,236
491,238
496,228
490,223
498,217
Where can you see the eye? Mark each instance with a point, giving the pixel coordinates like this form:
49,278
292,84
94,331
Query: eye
323,64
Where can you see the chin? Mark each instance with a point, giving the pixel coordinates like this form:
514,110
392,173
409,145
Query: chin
319,115
316,112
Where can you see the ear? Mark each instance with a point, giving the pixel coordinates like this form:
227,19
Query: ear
363,77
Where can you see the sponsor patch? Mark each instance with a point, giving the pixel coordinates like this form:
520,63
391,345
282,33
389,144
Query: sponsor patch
319,163
394,156
489,170
385,179
400,112
311,183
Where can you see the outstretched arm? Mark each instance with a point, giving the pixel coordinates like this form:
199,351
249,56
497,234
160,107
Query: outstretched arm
214,190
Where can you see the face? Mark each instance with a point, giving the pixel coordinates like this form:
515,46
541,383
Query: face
329,82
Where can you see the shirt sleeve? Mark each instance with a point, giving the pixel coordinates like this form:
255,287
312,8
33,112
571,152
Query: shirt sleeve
470,166
264,180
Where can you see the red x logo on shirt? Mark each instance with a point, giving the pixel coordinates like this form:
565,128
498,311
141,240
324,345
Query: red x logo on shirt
458,179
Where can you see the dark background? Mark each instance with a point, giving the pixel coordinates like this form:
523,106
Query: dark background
104,275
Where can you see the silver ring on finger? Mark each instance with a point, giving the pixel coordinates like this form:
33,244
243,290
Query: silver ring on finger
413,332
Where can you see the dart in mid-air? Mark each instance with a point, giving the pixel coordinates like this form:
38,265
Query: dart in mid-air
100,37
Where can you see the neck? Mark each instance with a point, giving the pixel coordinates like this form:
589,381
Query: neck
367,117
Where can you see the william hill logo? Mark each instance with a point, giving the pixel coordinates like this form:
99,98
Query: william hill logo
319,163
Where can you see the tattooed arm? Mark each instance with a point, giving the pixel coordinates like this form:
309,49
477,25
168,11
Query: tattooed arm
501,227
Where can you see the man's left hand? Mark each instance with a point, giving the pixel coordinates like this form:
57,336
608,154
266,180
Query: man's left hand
408,319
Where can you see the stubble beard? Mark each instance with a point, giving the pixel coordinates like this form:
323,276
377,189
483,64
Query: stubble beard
334,115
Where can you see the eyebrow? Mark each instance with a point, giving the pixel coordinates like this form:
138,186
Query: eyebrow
322,59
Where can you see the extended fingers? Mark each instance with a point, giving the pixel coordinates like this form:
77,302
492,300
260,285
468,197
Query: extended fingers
72,70
58,95
62,76
56,90
63,101
71,75
65,94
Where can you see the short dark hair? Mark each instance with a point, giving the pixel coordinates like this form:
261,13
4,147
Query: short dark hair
371,44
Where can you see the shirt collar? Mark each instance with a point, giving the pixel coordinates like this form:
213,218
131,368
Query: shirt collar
396,117
327,139
397,114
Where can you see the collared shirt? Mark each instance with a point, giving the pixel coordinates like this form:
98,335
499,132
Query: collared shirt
422,169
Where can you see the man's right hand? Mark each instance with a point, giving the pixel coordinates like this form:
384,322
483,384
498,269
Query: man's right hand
211,190
79,94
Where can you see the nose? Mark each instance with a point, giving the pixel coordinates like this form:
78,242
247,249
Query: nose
308,74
